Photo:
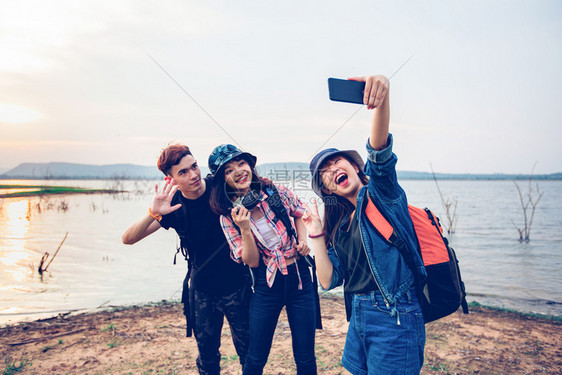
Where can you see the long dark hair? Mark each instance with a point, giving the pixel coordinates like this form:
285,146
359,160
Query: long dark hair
337,208
222,195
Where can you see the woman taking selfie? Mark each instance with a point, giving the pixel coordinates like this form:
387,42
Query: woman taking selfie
250,217
386,333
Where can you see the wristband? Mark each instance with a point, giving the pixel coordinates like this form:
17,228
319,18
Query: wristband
316,235
155,217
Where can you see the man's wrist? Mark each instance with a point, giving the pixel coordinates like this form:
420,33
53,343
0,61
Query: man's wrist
156,217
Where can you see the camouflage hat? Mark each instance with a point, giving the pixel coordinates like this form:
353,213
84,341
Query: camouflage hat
224,153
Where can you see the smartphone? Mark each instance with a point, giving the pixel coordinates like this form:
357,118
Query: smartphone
344,90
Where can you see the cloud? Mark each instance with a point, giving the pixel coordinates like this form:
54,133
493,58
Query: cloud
260,70
17,114
31,32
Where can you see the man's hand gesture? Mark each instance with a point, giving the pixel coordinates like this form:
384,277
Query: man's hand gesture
162,202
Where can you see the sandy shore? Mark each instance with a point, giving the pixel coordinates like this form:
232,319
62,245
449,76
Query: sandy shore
151,340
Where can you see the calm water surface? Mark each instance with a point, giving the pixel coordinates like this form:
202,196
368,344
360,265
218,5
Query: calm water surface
94,268
497,269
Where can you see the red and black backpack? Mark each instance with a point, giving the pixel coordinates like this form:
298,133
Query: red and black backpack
443,291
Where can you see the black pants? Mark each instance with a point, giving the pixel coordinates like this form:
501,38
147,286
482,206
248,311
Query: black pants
209,312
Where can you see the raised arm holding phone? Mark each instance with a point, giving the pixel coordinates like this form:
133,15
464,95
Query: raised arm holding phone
386,333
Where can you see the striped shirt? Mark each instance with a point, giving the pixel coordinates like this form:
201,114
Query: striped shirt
274,258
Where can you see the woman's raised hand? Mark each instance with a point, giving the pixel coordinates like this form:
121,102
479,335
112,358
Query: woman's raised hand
162,201
241,217
376,88
311,220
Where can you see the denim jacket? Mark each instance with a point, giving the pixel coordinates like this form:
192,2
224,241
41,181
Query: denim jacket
391,273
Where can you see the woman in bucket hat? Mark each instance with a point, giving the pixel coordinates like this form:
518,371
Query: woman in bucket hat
258,238
386,333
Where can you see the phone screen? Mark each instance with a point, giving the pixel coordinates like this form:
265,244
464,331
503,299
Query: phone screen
344,90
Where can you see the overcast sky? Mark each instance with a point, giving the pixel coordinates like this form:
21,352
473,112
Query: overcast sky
481,94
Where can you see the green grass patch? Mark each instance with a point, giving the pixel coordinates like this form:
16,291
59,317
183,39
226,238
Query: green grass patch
112,344
10,367
230,358
36,190
110,327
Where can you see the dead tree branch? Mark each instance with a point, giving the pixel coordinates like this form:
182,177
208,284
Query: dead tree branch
450,207
529,199
46,255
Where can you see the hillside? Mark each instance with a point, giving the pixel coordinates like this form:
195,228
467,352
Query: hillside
409,175
275,171
296,170
80,171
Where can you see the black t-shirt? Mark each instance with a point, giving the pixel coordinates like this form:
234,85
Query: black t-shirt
352,254
214,271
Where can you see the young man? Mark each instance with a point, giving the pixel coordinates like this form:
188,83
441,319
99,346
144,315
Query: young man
215,285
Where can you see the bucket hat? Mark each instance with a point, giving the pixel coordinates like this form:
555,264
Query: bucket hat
321,157
222,154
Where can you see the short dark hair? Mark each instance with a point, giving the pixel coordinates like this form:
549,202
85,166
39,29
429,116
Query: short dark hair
171,156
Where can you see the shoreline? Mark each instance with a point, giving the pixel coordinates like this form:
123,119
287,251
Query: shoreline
66,313
151,338
554,318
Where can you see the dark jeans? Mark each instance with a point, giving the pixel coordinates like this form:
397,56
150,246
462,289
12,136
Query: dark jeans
209,316
265,308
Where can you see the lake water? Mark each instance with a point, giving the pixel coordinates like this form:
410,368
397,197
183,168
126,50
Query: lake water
94,268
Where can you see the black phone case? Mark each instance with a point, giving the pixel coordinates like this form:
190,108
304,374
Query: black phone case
343,90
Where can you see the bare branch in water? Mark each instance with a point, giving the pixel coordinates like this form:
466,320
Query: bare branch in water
530,198
46,255
449,206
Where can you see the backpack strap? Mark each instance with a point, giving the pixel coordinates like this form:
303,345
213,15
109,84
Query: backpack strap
382,226
274,201
312,264
187,292
387,232
379,222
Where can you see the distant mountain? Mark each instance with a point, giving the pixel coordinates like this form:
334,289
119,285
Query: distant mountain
295,169
281,171
80,171
409,175
274,171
